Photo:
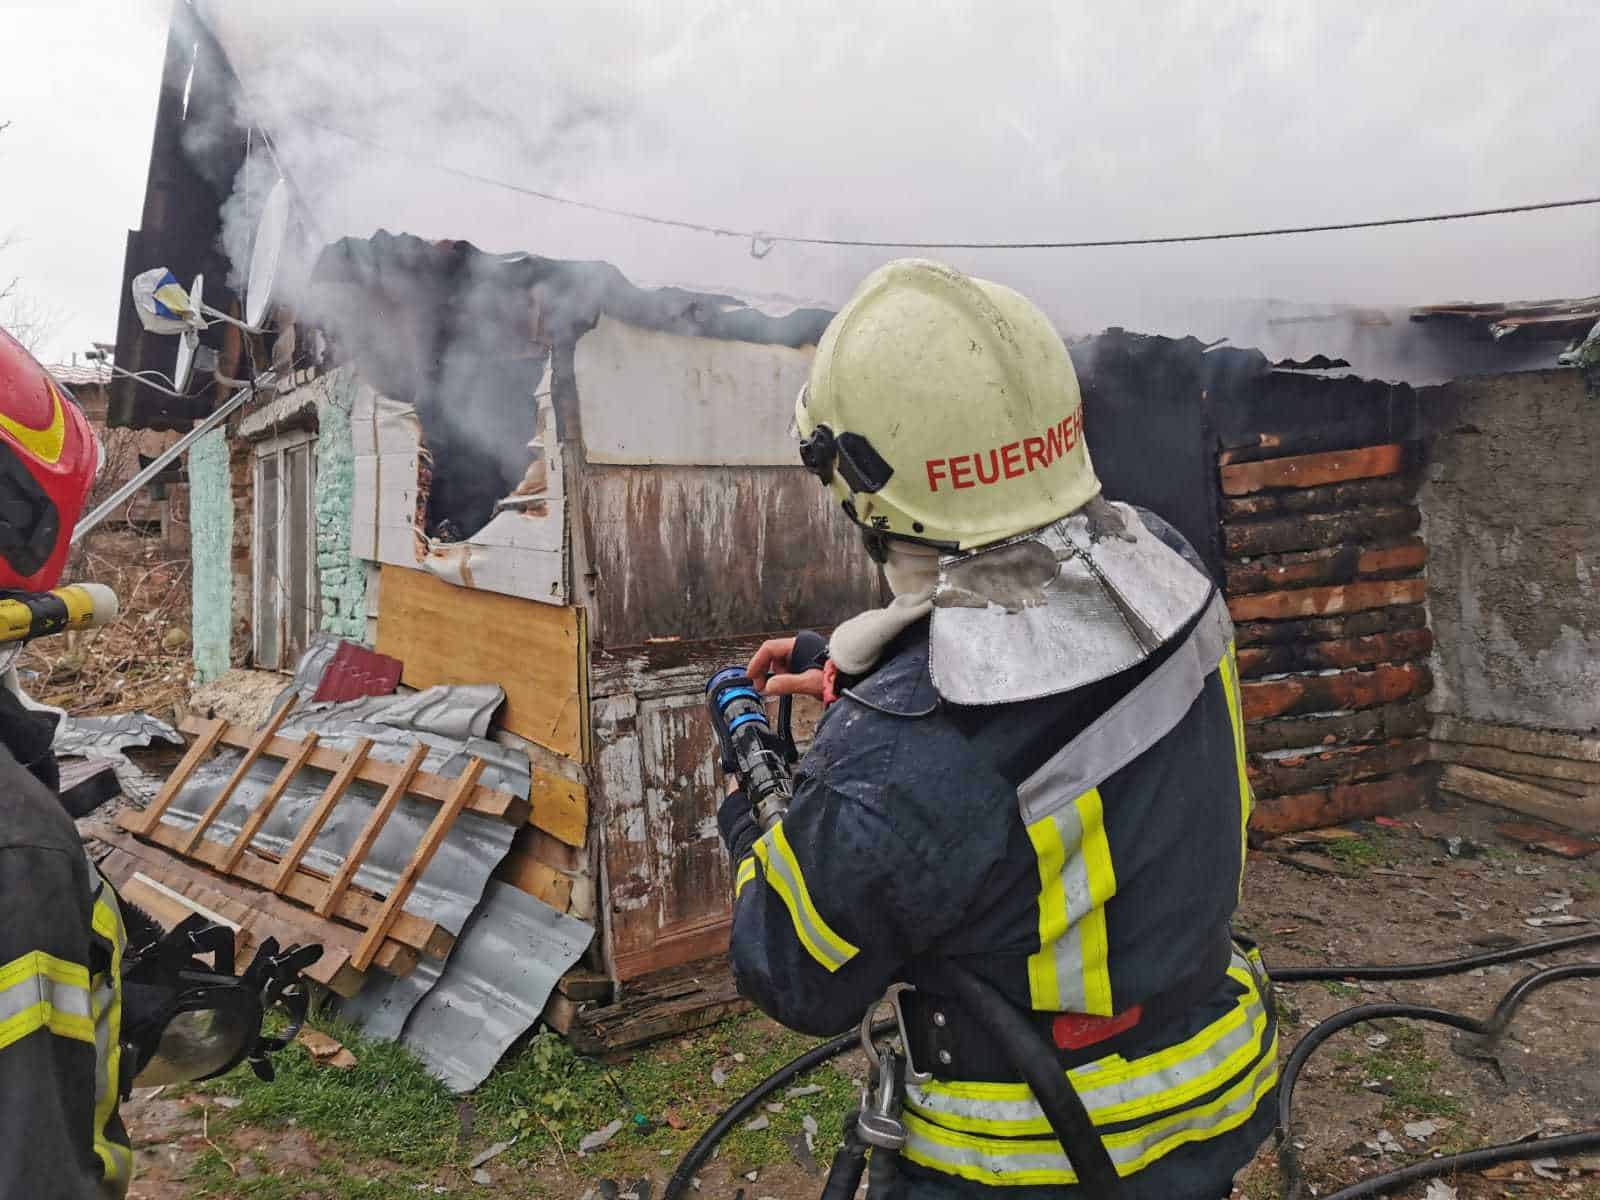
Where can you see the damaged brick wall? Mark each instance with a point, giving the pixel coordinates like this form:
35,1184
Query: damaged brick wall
1324,578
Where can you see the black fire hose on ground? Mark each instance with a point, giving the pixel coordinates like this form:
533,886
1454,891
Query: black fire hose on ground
698,1154
1489,1030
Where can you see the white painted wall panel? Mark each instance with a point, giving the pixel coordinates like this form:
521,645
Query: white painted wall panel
648,397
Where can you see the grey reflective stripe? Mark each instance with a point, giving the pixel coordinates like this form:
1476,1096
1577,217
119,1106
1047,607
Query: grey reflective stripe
1067,950
993,1157
1101,1101
38,988
1134,724
820,942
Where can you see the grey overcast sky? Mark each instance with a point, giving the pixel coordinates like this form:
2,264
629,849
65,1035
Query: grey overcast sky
79,88
921,119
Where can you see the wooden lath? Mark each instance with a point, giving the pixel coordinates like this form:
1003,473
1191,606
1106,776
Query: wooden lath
321,908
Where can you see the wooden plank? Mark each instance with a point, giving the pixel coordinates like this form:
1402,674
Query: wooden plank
1336,805
1312,531
1331,629
536,879
1555,785
1344,764
1335,564
1572,811
1509,762
1576,746
409,874
1337,497
1266,699
486,801
408,932
207,734
559,806
389,801
268,916
1312,470
1384,723
318,817
252,825
535,652
1354,652
584,985
1327,601
258,742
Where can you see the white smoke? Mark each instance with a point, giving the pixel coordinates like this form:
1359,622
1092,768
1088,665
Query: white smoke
958,120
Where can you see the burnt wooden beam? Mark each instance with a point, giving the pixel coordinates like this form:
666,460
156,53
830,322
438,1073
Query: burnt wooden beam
1313,531
1327,601
1313,470
1336,805
1266,699
1336,564
1335,497
1406,719
1577,746
1575,812
1344,764
1331,629
1404,646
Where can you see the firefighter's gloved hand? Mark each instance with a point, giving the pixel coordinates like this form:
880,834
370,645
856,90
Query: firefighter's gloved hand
738,824
775,672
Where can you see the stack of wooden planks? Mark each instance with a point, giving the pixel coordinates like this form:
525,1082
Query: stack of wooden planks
174,872
1552,776
1325,585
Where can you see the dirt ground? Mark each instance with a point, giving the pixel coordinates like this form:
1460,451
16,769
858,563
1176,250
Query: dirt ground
1376,1097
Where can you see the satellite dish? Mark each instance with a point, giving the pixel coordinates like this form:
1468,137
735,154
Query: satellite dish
189,340
266,253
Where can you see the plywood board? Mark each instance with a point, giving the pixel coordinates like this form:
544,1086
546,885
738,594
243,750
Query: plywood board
535,652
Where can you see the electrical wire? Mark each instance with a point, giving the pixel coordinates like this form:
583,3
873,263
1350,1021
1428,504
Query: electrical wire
761,241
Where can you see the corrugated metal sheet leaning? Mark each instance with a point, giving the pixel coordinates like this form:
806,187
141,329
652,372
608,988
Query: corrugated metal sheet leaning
453,721
461,1020
460,1016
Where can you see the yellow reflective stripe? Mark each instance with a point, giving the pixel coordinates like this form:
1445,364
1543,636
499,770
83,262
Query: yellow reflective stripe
783,874
745,873
1113,1089
116,1159
40,991
1025,1161
1229,666
1070,972
1096,950
1043,988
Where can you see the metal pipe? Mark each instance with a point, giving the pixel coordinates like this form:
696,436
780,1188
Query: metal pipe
167,456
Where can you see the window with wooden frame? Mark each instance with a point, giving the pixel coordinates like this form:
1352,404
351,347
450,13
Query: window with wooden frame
287,605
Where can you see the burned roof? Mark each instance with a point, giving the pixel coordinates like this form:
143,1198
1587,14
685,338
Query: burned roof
570,295
1524,320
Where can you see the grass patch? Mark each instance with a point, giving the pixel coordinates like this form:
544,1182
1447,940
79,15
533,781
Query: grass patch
1343,991
544,1096
1407,1071
1362,853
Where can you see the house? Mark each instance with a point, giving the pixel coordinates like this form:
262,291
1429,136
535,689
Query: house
511,468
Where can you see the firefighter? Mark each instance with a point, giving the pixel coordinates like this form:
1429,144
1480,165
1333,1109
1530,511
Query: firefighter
61,931
1031,764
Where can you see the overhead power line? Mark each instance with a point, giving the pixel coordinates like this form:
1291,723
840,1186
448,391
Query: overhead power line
761,241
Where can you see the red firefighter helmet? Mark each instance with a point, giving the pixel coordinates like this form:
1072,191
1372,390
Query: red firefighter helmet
48,460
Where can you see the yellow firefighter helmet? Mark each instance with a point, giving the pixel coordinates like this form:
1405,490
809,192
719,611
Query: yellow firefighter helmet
944,409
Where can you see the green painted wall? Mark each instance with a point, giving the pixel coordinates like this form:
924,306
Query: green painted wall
343,579
211,549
